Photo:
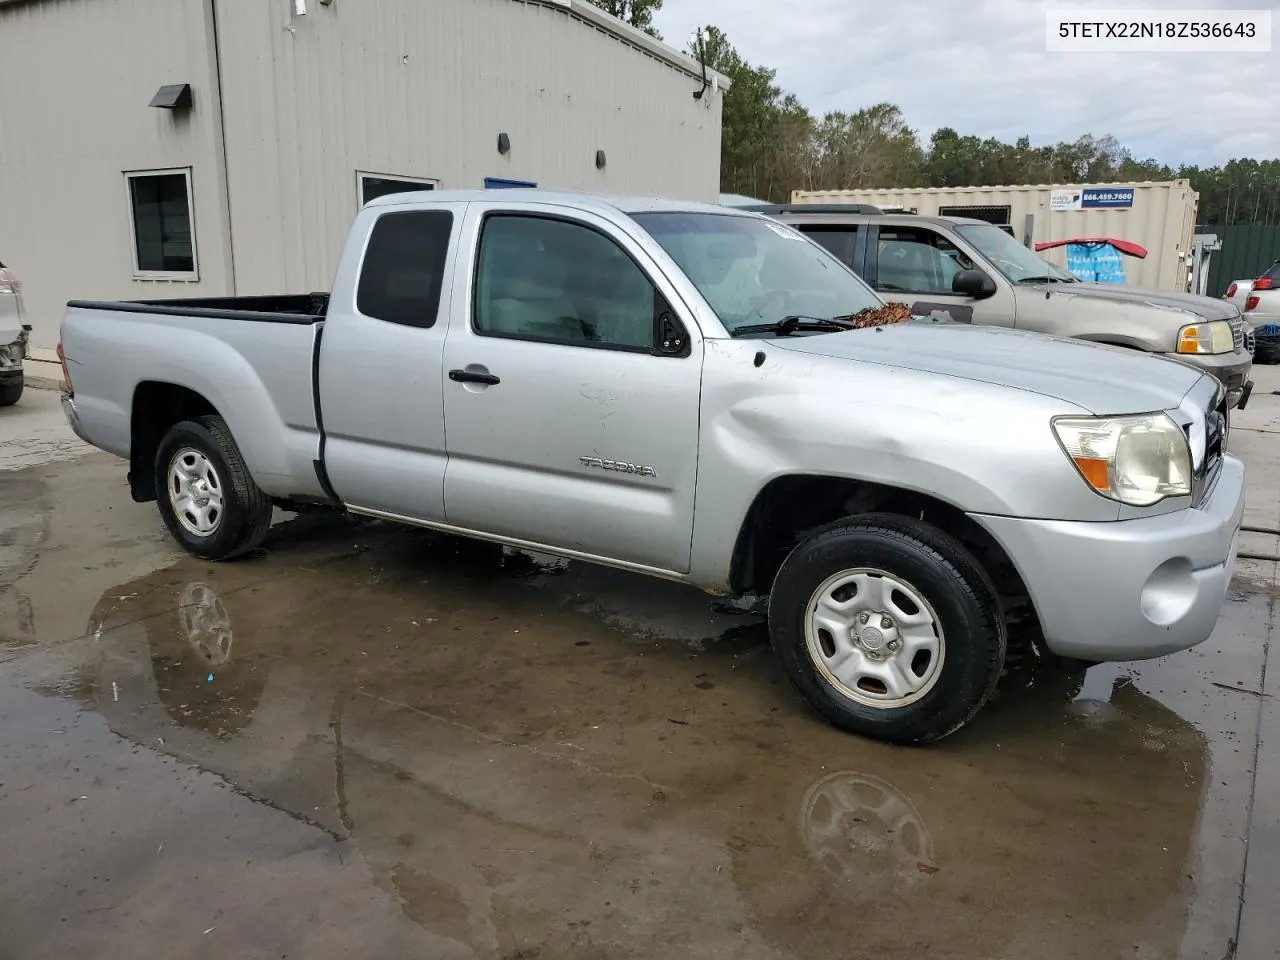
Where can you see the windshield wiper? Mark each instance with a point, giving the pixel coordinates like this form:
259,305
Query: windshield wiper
790,324
1046,279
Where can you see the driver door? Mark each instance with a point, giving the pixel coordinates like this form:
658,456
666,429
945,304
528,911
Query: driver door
915,265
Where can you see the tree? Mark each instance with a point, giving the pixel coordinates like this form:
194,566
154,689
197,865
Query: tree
772,145
765,134
638,13
871,148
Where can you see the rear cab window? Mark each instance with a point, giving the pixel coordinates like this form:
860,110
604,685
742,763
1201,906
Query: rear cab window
403,268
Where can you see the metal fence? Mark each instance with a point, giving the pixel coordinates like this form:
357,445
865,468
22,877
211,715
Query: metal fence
1247,250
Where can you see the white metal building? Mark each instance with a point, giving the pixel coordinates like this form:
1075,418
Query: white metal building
169,148
1159,216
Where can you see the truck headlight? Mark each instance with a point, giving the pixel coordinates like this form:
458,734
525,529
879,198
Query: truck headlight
1209,336
1137,460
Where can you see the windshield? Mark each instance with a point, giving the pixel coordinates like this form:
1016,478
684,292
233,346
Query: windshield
755,271
1011,258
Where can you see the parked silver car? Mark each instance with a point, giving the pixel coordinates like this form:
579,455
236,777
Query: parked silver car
14,335
682,390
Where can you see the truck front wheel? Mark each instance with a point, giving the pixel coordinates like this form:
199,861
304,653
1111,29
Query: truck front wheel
206,495
888,627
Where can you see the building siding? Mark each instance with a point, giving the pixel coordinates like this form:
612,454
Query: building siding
75,80
422,89
412,88
1162,219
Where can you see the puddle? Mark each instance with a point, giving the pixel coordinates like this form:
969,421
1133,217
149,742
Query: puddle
535,757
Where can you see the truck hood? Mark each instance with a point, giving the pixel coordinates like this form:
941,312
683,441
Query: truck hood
1180,303
1098,378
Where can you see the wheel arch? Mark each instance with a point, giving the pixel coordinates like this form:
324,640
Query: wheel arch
790,507
156,407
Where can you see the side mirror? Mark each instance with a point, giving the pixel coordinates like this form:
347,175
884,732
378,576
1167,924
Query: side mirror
973,283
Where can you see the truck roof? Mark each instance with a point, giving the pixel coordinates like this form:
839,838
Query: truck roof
836,212
623,204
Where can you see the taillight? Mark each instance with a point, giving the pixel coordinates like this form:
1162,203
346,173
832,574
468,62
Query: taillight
1262,283
1251,303
1231,292
62,359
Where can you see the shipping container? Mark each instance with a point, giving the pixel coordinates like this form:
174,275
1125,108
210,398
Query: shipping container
1158,216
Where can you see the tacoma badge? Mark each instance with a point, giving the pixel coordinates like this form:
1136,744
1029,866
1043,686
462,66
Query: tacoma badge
619,466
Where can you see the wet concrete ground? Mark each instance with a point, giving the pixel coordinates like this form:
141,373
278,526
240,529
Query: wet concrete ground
372,741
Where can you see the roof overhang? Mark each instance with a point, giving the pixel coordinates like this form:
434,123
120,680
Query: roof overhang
609,24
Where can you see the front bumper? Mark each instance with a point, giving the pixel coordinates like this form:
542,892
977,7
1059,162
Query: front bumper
11,357
1232,369
1130,589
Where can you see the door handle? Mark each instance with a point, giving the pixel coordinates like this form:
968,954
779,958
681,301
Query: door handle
473,376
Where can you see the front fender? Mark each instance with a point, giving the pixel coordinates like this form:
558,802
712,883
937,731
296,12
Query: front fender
979,447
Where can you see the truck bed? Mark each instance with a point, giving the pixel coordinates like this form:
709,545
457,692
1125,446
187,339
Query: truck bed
251,358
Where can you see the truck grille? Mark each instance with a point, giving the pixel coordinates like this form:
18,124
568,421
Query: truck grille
1215,447
1208,400
1237,331
1250,341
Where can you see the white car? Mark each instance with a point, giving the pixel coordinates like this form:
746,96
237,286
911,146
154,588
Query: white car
1238,292
13,338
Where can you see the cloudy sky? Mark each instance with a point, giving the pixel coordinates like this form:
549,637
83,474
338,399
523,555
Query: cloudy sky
981,66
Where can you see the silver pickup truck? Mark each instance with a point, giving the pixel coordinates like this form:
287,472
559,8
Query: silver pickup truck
684,391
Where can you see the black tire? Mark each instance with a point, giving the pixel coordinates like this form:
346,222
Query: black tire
246,510
10,393
945,574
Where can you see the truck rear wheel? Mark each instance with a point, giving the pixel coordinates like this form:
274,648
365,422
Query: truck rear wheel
888,627
206,495
10,393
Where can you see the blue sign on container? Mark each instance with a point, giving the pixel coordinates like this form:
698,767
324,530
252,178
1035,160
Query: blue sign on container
1109,197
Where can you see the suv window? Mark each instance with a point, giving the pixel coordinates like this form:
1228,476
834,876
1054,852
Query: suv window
917,260
839,239
403,267
560,282
1272,273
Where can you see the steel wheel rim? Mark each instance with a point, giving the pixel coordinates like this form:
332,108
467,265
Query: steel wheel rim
874,637
195,492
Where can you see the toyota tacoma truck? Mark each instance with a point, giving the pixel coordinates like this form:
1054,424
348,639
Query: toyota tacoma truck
686,391
970,271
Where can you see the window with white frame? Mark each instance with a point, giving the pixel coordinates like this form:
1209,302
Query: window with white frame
164,241
374,185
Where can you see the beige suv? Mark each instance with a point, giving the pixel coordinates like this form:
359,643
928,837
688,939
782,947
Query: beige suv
970,271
